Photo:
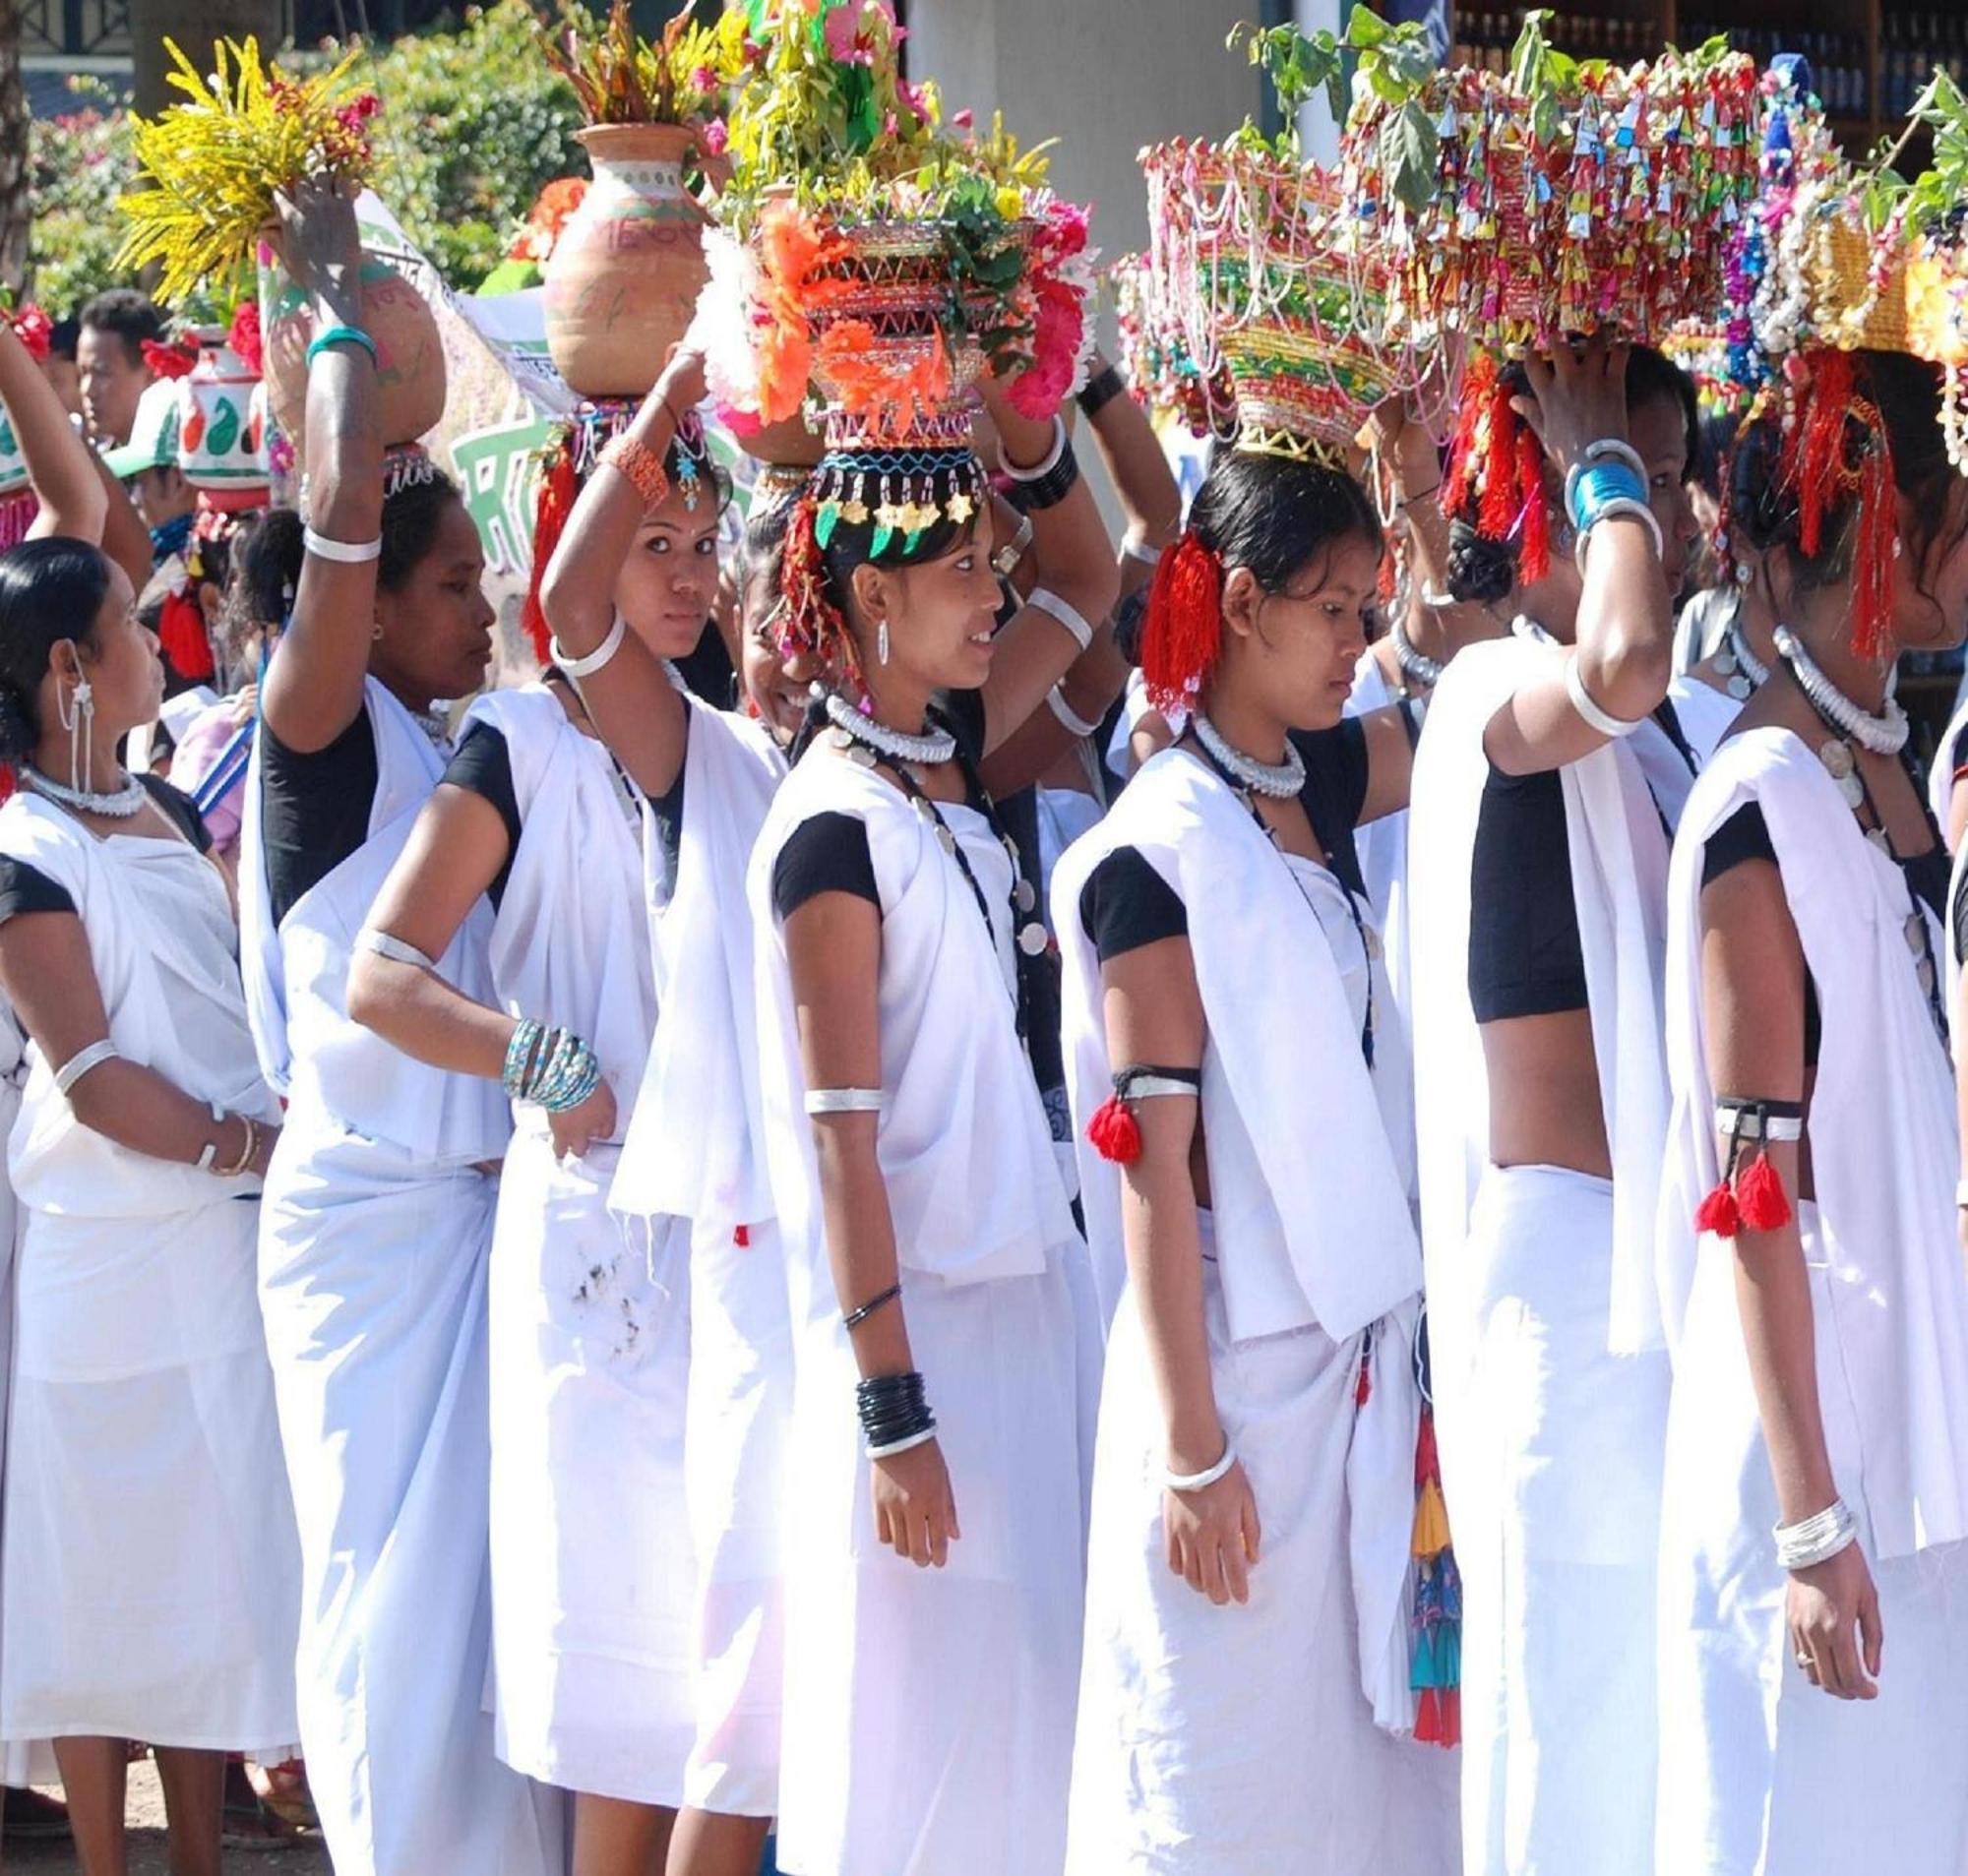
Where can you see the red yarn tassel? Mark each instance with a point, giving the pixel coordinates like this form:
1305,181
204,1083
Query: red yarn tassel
559,486
1817,444
1877,536
1429,1718
741,1236
1459,477
1498,509
183,638
1451,1717
1183,634
1363,1388
1114,1132
1534,555
1761,1198
1718,1213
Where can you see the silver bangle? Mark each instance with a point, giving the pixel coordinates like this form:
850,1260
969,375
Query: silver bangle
397,950
81,1062
1611,510
1961,1192
1198,1481
1817,1538
1596,717
843,1101
346,553
1067,614
573,667
1143,551
210,1150
1039,470
1006,558
895,1447
1067,714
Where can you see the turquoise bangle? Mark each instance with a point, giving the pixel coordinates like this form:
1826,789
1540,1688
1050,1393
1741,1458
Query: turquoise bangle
343,335
1599,483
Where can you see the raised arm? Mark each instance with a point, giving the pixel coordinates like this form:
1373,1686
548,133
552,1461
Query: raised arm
627,693
1622,655
833,950
1119,430
1153,1014
50,980
314,688
1073,570
1752,989
125,538
61,468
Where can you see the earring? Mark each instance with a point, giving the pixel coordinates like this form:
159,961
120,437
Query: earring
882,642
376,632
77,710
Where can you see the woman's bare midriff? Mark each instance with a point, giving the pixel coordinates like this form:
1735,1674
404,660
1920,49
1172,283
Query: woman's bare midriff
1544,1093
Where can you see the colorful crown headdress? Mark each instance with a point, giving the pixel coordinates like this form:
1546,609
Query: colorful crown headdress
1558,200
1156,363
1252,266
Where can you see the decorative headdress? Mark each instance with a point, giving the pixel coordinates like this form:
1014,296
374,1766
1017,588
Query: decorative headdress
1253,266
568,461
1156,363
1555,200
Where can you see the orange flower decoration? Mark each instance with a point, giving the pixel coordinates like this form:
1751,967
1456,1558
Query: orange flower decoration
892,401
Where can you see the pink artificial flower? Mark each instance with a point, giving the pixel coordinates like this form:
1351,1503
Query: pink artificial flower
1038,390
843,23
741,423
704,79
890,125
911,100
962,120
714,137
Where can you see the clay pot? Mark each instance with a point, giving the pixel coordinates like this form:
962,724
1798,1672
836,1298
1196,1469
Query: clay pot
220,420
788,445
409,354
625,272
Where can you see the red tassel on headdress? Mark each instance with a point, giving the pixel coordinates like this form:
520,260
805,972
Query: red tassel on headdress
1534,553
1114,1133
182,637
1464,459
1878,538
1182,636
1817,445
814,624
559,486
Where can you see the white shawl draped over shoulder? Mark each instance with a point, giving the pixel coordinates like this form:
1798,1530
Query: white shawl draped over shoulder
691,1150
1310,1208
163,946
966,1155
1619,850
1883,1132
297,975
568,944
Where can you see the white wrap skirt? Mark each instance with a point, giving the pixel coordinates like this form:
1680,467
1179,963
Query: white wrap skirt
929,1713
373,1280
1236,1741
1762,1774
1550,1451
741,1394
152,1574
591,1580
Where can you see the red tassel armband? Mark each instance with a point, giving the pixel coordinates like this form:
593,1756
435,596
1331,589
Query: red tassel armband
1112,1132
1749,1195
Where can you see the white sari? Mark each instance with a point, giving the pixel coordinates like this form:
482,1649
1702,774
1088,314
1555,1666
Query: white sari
152,1573
373,1254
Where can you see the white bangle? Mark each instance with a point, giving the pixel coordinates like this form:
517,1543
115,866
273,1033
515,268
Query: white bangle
1198,1481
348,553
1817,1538
1039,470
572,667
1611,510
1067,714
1596,717
889,1451
397,950
1961,1192
1143,551
81,1062
843,1101
1068,615
210,1150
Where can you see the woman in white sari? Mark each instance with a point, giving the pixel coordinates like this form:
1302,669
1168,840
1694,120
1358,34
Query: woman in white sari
1233,1051
379,1204
1815,1681
150,1570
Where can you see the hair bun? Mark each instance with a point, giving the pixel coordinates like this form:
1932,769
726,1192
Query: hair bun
1479,572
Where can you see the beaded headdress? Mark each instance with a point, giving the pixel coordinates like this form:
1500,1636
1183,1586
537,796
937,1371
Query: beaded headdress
1156,363
568,461
1254,268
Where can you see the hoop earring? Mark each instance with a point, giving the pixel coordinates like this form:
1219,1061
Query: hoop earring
882,642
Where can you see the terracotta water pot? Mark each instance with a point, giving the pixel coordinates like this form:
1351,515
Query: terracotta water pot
221,423
410,353
625,272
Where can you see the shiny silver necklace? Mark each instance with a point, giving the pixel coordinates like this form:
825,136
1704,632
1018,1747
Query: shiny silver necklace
1280,781
924,752
1416,666
1884,735
118,805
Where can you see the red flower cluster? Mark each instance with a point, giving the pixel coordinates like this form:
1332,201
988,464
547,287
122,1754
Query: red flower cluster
245,336
33,328
1059,314
170,359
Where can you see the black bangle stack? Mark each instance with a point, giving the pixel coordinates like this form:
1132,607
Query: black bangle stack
1101,389
894,1412
1047,490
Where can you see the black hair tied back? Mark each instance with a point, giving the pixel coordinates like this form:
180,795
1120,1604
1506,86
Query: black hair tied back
51,591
